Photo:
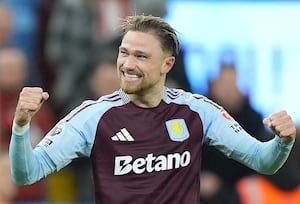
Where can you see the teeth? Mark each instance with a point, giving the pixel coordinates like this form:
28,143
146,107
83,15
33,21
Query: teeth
131,76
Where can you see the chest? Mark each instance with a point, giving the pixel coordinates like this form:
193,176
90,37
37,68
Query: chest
149,129
134,146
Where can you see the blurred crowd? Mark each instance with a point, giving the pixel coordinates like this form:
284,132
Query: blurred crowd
69,47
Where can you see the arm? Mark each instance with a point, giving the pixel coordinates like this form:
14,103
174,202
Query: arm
24,165
283,127
265,157
69,139
23,161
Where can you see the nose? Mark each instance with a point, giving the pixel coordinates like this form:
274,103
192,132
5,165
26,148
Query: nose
129,62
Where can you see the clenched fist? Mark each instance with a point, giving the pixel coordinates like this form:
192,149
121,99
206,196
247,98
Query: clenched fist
282,125
30,101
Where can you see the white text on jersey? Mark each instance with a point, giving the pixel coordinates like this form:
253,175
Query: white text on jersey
125,164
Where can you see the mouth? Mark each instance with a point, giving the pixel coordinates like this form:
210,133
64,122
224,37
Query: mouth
131,77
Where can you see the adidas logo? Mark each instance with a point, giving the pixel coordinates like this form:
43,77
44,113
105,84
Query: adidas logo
123,135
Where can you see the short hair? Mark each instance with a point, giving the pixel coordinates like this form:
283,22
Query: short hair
166,34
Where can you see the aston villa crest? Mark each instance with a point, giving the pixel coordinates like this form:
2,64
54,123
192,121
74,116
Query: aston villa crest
177,130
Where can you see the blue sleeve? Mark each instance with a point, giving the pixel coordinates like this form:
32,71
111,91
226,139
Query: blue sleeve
69,139
224,133
24,165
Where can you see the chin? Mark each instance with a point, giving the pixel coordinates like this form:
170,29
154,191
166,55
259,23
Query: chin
132,90
129,90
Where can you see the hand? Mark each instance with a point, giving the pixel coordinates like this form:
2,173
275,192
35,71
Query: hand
282,125
30,101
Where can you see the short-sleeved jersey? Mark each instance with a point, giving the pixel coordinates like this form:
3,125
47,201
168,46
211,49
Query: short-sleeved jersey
145,155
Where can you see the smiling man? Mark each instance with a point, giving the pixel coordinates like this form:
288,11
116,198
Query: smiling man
144,140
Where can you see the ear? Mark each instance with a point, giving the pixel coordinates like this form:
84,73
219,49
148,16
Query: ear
168,64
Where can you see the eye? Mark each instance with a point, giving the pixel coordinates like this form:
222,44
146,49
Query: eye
141,56
122,52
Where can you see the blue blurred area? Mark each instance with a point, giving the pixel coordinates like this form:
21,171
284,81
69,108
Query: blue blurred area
260,37
25,32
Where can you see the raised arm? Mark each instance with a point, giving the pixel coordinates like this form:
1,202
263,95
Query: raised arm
269,156
30,101
23,161
264,157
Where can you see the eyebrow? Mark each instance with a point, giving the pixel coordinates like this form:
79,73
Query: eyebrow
135,51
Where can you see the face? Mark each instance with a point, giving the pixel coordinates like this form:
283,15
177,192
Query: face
142,64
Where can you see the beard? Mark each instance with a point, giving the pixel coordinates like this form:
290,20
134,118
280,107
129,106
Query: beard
139,89
132,89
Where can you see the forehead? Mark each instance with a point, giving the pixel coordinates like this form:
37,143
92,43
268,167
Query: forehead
141,41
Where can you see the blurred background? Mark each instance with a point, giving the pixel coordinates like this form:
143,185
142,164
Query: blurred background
260,37
242,54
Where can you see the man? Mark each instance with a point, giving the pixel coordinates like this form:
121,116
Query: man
144,140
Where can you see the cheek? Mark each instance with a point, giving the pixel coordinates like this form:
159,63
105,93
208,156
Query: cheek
163,70
120,60
118,63
155,73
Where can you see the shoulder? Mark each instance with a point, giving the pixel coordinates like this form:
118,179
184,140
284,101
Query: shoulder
180,96
95,108
175,93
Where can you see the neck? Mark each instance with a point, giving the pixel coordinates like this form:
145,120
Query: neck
147,100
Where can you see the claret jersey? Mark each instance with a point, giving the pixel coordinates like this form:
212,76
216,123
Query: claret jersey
148,155
145,155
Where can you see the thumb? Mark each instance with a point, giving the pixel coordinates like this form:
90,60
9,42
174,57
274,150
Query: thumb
267,122
45,96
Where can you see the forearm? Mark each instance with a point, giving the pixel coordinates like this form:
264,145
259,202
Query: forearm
272,155
24,166
263,157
